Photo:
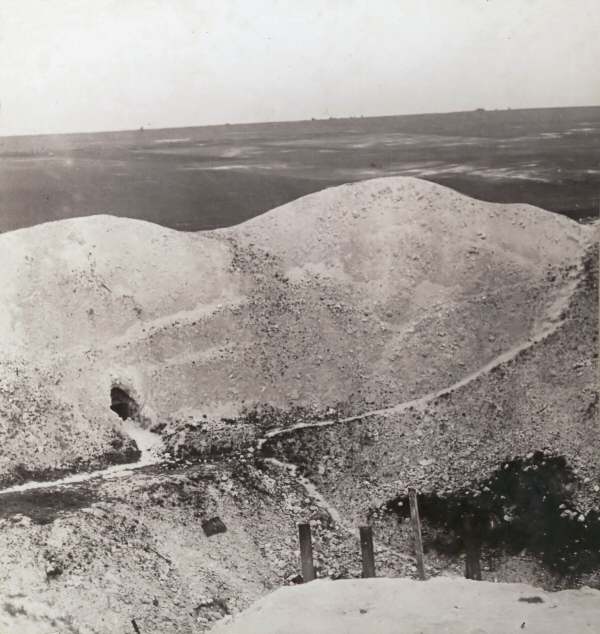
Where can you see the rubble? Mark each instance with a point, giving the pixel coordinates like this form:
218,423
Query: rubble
256,356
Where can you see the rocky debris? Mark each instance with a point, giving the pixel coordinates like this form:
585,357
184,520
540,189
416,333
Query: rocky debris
213,526
19,520
210,610
53,569
461,437
306,315
526,505
191,437
336,298
140,550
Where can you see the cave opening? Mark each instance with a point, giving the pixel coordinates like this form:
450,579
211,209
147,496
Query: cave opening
526,504
123,404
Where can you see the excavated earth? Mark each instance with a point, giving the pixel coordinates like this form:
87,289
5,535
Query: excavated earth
403,606
307,365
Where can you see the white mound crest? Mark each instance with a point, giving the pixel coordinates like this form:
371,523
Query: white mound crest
367,293
452,606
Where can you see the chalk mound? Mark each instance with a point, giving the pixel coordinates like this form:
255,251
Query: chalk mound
357,297
452,606
367,230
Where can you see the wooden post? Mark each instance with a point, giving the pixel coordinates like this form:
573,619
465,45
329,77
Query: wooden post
472,549
306,553
366,548
416,524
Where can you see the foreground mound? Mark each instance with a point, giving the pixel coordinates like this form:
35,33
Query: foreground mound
359,297
451,606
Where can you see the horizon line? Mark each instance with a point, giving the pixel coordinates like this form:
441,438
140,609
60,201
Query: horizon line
284,121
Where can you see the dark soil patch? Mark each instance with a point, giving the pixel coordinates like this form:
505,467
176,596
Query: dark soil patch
43,506
531,600
22,473
525,505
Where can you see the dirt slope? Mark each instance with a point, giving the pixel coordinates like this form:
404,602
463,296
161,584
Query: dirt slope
540,395
139,546
358,297
395,301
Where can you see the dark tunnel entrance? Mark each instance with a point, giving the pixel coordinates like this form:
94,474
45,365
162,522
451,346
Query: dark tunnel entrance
123,405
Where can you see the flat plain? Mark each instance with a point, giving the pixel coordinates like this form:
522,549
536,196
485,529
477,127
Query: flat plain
207,177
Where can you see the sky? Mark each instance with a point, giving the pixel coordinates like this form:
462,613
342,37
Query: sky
87,65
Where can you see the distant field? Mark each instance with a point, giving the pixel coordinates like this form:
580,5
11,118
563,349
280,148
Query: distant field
207,177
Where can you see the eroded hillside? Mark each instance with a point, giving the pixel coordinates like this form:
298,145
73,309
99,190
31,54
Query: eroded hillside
356,298
308,365
536,405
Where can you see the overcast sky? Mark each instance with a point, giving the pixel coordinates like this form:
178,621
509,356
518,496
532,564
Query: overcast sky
79,65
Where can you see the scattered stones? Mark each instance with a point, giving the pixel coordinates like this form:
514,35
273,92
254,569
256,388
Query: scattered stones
213,526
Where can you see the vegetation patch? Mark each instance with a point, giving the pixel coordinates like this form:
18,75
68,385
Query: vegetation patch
527,504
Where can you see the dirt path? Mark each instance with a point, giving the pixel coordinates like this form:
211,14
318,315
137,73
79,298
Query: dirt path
548,327
151,445
148,443
311,488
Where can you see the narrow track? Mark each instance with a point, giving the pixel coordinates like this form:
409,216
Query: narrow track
150,444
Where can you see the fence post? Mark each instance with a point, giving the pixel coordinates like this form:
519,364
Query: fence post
366,548
472,550
306,553
416,525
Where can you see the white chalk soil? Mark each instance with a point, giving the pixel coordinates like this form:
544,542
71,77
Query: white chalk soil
394,307
366,295
405,606
151,450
